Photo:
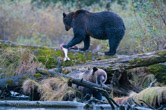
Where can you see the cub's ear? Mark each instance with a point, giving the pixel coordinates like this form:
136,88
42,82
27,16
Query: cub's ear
64,15
94,69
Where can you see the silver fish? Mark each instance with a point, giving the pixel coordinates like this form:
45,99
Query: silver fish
65,51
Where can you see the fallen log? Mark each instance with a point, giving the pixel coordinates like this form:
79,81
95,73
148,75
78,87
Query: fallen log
94,87
121,63
43,104
63,105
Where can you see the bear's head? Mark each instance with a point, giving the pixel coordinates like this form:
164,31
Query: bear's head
99,75
67,20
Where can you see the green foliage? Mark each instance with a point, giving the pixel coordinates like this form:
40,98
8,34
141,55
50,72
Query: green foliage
48,2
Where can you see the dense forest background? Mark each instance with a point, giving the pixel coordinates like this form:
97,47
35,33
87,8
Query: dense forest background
39,22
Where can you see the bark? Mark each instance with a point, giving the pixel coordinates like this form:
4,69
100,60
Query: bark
63,105
43,104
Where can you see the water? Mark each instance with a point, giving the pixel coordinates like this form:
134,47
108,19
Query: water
31,108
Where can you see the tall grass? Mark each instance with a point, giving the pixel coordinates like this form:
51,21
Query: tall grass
24,22
17,61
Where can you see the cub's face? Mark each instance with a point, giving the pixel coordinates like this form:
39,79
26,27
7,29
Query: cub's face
99,75
67,20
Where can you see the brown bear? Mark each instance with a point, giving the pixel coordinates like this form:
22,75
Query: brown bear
101,25
95,75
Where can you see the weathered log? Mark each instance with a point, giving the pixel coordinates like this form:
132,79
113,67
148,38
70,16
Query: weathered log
43,104
121,63
94,87
63,105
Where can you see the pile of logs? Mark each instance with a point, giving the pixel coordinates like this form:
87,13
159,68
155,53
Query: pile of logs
116,69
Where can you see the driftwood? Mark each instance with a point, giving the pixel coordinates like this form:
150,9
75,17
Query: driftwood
94,87
43,104
63,105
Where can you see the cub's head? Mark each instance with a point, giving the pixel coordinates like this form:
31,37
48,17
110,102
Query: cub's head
99,75
67,20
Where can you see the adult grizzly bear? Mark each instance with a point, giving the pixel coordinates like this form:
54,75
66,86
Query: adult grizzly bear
102,25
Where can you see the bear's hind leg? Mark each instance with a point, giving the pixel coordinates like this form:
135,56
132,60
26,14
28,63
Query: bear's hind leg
114,40
113,46
86,43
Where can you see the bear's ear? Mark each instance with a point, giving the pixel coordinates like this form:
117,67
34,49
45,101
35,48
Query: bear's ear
94,69
64,15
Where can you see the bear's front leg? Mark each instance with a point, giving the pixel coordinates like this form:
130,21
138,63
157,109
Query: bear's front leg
79,35
74,41
109,53
86,43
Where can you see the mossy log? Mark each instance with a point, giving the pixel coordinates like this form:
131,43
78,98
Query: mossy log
122,63
159,70
53,56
